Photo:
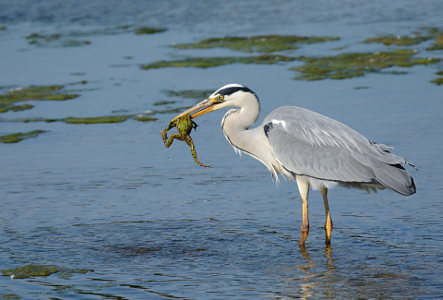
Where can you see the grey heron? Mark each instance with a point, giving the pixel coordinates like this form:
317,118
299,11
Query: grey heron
315,150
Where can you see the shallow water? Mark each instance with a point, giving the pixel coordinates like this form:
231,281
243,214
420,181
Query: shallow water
148,222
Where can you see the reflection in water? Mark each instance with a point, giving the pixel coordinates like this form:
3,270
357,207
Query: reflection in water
310,281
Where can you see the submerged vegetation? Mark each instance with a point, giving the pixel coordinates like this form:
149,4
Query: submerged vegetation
19,136
188,94
438,80
261,43
438,41
143,117
96,120
46,92
425,34
39,39
348,65
41,270
344,65
398,40
148,30
208,62
72,38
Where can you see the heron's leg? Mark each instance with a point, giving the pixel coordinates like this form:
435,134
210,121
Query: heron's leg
303,188
328,223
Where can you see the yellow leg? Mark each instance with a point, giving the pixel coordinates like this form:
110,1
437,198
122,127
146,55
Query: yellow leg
328,223
303,188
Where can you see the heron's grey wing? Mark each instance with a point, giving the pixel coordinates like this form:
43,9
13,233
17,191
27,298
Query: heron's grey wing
308,143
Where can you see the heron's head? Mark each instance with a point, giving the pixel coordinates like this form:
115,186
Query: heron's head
227,96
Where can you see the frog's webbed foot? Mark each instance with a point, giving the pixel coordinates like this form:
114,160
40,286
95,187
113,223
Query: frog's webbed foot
190,143
164,134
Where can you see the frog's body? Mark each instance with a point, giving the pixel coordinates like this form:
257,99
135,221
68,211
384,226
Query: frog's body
184,126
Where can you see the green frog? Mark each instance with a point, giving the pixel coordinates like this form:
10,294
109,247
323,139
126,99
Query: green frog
184,126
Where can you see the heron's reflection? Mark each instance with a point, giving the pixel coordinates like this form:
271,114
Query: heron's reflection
313,270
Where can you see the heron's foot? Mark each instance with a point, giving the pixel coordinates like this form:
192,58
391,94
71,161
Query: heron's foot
304,231
328,232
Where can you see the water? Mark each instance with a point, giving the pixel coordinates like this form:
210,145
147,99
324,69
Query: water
149,222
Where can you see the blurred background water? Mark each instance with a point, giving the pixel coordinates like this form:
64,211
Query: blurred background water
151,224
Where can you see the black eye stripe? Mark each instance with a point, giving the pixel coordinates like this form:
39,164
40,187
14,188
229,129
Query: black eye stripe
233,89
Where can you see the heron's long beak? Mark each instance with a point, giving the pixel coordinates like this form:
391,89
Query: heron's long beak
200,108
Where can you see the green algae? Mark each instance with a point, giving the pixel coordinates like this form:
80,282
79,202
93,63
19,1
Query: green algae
55,39
349,65
39,120
437,81
30,271
398,40
45,92
107,119
3,28
10,297
41,270
148,30
143,118
96,120
164,102
438,42
261,43
19,136
435,34
188,94
75,38
209,62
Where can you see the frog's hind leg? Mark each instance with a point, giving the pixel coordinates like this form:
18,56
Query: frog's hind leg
167,142
190,143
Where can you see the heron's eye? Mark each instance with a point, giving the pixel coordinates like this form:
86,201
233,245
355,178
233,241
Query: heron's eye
221,97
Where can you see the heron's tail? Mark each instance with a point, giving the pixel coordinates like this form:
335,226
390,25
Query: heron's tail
396,178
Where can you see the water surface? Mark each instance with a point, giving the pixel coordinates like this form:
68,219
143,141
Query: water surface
148,222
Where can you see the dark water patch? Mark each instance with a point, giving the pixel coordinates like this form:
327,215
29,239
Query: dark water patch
148,30
261,43
19,136
209,62
164,102
349,65
175,248
44,92
32,270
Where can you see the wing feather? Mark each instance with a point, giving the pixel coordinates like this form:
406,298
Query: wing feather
308,143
